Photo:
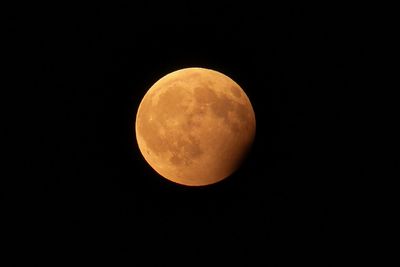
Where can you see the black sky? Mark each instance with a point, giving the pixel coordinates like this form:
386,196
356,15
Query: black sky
80,187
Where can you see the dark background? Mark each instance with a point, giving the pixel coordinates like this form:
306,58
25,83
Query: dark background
79,187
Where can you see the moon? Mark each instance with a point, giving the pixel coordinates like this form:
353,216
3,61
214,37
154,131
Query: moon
195,126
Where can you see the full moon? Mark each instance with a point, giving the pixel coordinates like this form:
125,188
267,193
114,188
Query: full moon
195,126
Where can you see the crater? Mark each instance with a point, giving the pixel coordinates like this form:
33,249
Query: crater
185,151
204,95
170,103
234,114
175,160
221,107
236,91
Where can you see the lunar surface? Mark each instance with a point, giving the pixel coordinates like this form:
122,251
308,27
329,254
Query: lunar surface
195,126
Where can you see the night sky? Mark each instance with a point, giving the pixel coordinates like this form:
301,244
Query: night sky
79,186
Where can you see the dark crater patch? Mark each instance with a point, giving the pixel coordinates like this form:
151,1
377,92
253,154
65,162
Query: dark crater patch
236,91
223,106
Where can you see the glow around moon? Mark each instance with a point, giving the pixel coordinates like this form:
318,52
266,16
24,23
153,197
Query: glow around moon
195,126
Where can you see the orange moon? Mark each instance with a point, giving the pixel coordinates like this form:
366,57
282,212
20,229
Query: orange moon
195,126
